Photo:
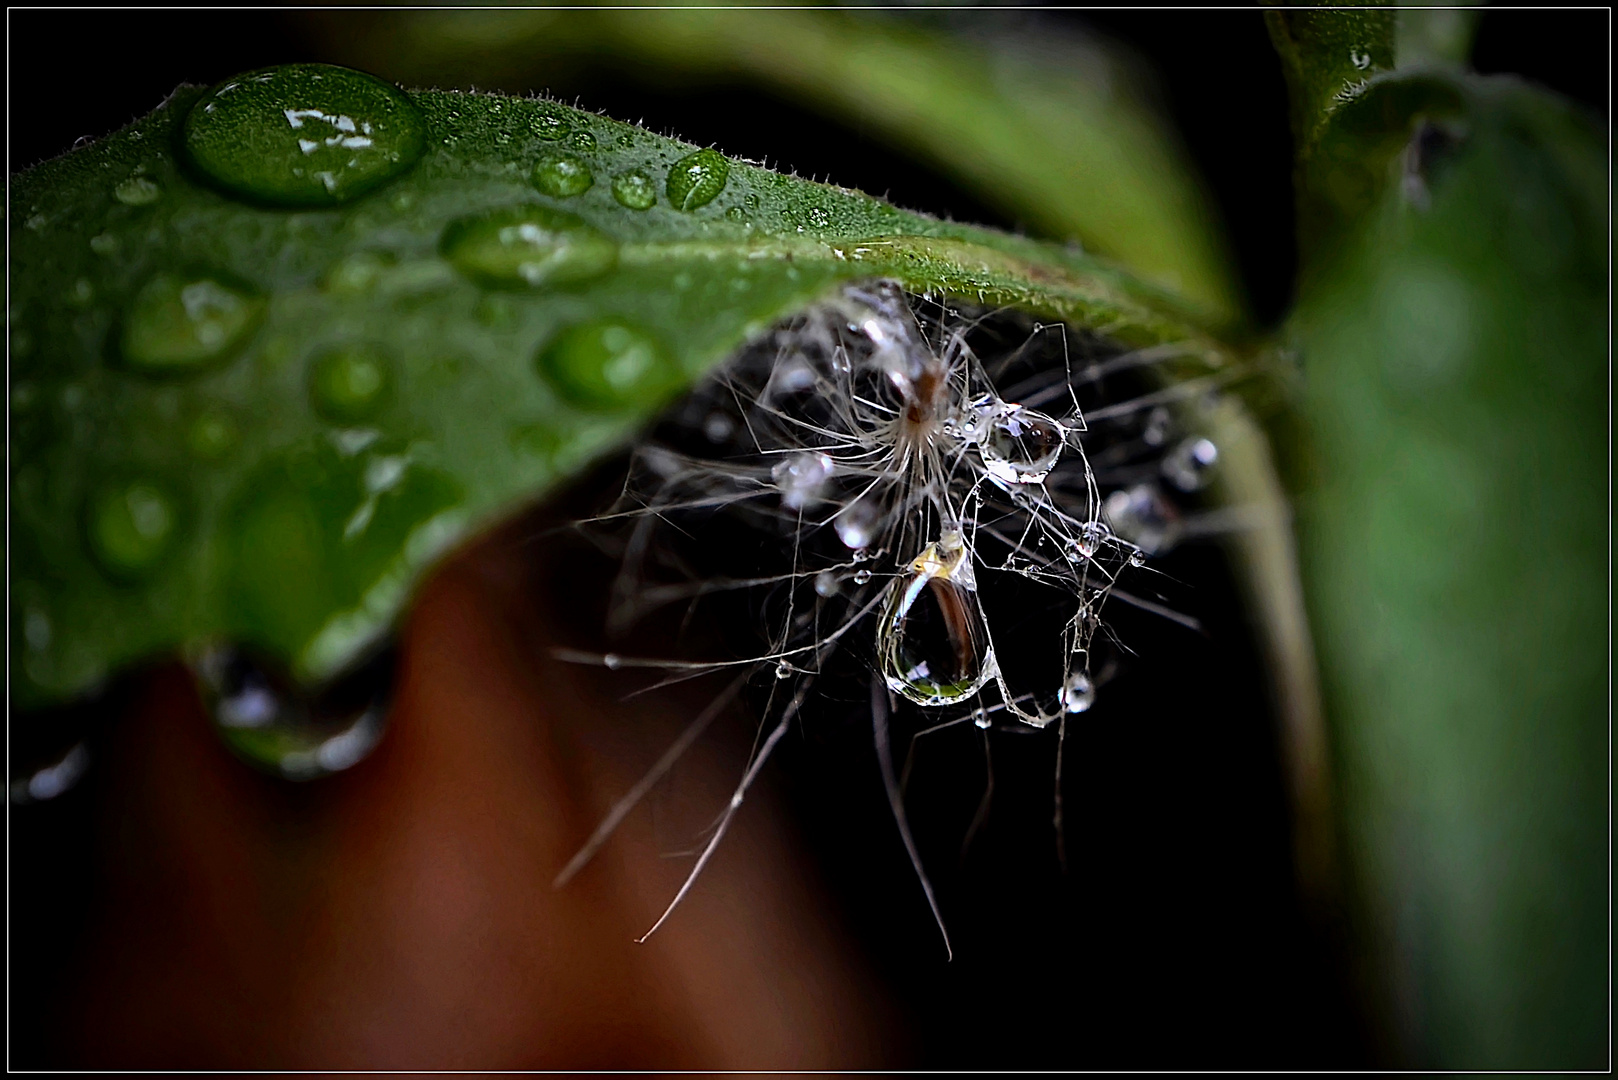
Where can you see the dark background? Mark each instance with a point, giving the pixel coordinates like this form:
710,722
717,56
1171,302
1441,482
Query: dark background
1175,939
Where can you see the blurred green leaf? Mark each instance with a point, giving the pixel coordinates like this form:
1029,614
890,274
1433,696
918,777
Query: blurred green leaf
1057,132
261,423
1453,516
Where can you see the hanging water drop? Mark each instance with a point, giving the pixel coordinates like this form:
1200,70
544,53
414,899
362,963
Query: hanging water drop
1189,466
304,134
856,524
605,365
862,576
1021,446
528,247
181,326
562,176
932,642
697,179
783,670
274,725
801,478
1143,517
1078,693
635,190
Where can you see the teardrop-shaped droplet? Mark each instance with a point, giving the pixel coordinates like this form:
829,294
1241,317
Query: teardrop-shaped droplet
697,179
562,176
349,385
528,247
801,478
1189,466
274,725
1021,446
635,190
932,642
138,191
1092,534
132,528
1078,692
856,524
303,134
605,365
180,326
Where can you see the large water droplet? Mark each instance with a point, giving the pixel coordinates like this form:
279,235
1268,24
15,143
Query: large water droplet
1143,517
550,123
697,179
1021,446
1189,466
635,190
303,134
528,246
856,525
138,191
607,365
180,326
1078,693
801,478
349,385
274,725
932,642
562,176
132,528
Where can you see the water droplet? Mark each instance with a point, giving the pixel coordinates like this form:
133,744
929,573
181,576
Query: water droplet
550,123
562,176
801,478
104,244
1021,446
138,191
348,385
635,190
1158,425
932,642
612,661
132,528
1092,534
355,274
826,584
982,721
718,427
606,365
274,725
1189,466
819,217
1143,517
180,326
736,214
54,779
211,436
1078,693
862,576
1137,558
856,524
783,670
304,134
697,179
582,140
521,246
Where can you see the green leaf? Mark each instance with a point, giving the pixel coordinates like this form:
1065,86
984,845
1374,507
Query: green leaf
235,418
1058,134
1453,519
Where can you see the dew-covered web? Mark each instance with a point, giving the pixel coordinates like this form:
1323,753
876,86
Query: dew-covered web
913,480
